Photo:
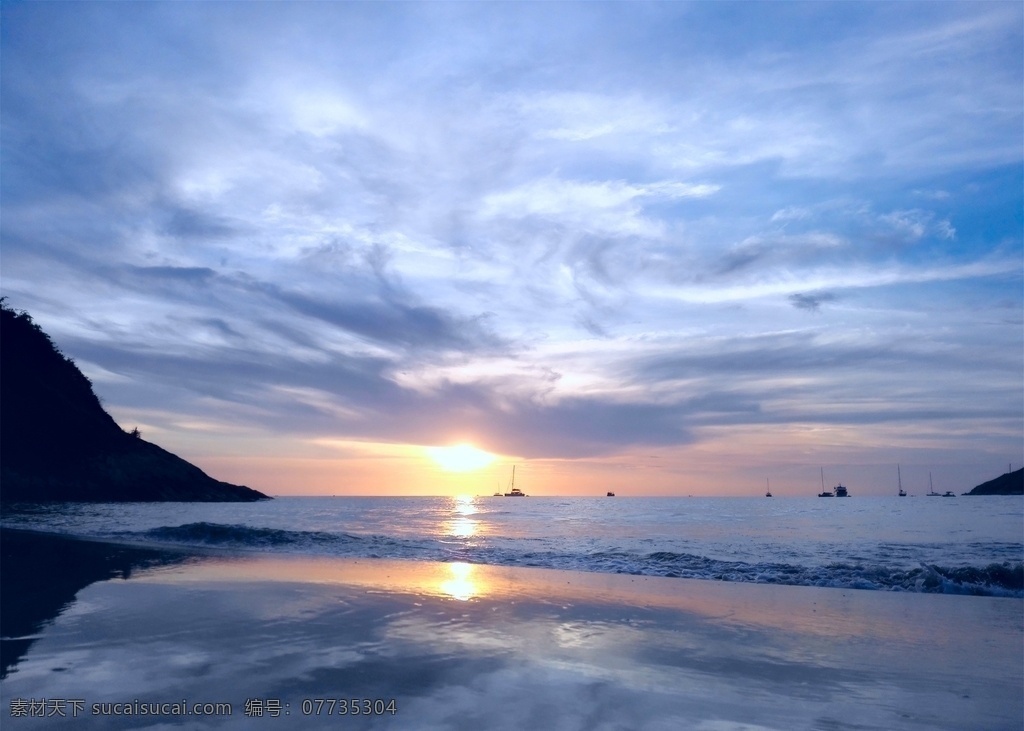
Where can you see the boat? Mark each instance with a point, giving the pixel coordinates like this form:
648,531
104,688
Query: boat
823,492
948,493
841,491
515,491
931,490
899,479
610,494
769,486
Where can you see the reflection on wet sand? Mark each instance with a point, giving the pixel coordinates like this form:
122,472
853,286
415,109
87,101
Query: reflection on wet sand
461,585
471,646
456,580
42,574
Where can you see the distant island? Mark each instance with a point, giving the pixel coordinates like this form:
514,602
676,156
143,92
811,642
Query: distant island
1011,483
57,443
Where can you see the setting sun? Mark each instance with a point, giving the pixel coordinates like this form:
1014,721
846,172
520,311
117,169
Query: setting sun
460,457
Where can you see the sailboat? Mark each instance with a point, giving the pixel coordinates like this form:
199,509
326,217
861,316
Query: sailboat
823,493
515,491
769,486
931,490
899,478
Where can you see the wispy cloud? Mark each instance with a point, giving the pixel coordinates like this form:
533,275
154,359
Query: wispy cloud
600,228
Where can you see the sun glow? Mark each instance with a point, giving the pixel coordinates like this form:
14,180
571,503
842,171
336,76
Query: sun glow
460,457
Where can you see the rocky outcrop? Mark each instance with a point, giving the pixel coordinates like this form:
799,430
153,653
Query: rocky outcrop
57,443
1011,483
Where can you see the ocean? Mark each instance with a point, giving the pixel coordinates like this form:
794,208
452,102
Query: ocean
966,545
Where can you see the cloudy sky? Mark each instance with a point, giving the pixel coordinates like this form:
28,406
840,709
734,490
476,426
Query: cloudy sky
660,248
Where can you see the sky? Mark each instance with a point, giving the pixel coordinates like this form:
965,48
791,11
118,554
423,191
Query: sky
656,248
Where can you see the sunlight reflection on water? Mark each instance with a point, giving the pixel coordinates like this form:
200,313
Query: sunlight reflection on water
460,525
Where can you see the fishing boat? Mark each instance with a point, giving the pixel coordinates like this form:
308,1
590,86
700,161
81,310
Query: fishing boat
610,494
514,491
768,493
931,490
824,492
899,480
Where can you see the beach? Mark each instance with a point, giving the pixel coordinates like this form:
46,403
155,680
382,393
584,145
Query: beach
162,638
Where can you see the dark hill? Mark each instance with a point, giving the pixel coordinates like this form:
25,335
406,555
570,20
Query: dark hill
1010,483
58,443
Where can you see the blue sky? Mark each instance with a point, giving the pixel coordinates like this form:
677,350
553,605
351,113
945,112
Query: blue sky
663,248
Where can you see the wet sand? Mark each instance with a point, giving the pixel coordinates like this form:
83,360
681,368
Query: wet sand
457,646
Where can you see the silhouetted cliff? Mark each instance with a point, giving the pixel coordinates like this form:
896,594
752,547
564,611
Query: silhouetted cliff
1011,483
58,443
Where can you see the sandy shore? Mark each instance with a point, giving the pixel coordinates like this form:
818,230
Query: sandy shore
457,646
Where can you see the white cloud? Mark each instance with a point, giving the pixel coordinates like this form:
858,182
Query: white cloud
915,224
324,114
572,199
778,283
583,116
791,213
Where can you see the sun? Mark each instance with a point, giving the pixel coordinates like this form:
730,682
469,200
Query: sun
460,457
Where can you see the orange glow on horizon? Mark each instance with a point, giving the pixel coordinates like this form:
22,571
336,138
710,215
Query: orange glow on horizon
722,462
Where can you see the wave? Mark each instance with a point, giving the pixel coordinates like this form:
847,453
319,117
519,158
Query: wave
1003,579
247,538
996,579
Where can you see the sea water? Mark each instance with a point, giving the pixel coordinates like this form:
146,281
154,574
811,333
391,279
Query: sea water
966,545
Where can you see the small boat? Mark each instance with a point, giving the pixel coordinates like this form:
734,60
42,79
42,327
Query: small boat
515,491
610,494
769,486
931,490
899,479
841,491
823,492
948,494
